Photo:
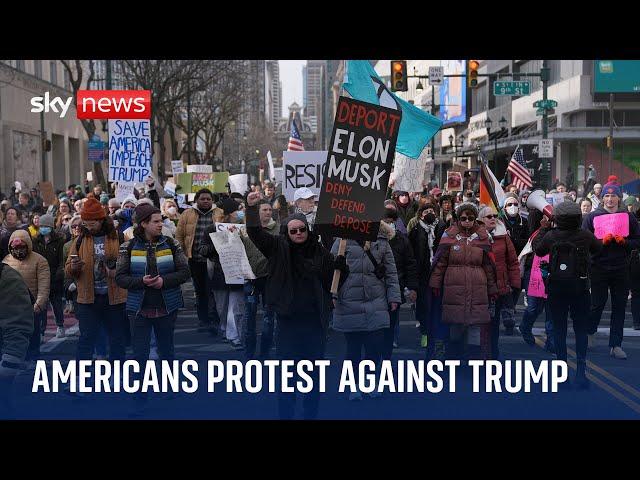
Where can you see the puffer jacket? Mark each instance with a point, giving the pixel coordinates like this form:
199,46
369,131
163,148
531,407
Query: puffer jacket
363,300
53,251
465,274
16,315
506,260
186,230
34,270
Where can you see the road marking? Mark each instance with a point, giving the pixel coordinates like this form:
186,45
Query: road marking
54,341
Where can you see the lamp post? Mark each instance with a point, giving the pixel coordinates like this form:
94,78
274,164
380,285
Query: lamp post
459,143
503,126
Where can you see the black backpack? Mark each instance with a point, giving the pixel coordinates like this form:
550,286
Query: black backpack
568,269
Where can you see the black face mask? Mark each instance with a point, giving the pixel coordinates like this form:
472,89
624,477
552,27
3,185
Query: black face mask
429,217
19,253
390,213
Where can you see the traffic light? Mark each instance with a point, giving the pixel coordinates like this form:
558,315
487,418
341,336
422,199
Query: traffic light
472,74
399,76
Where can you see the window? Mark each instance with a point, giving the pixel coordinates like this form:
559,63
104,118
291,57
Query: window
594,118
53,72
37,68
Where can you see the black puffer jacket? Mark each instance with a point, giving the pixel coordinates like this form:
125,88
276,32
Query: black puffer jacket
405,262
420,244
518,229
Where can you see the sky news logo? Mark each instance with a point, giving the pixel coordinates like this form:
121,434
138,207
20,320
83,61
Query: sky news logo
99,104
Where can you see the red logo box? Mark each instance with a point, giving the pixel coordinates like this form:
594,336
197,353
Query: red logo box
120,104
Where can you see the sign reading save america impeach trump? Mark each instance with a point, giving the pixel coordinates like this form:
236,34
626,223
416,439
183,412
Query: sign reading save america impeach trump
359,162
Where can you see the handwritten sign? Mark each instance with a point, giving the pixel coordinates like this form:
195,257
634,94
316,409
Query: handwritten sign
409,173
124,190
303,169
129,151
613,223
536,285
177,167
199,169
359,163
170,187
48,194
233,257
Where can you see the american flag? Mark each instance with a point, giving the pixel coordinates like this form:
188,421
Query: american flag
518,169
295,141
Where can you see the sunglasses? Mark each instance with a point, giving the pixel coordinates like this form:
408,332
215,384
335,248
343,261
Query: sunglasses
491,216
467,219
293,231
511,205
77,225
66,219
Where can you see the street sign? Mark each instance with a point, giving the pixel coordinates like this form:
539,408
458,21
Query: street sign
96,150
545,104
512,88
436,75
550,111
545,148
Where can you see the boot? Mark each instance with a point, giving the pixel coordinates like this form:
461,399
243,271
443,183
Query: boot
440,350
581,380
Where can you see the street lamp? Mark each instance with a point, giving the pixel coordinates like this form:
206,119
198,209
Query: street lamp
459,143
503,126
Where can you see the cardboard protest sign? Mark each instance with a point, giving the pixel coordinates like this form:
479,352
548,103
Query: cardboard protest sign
454,181
359,164
124,190
302,169
48,194
177,167
192,182
129,151
233,257
409,173
613,223
199,169
170,187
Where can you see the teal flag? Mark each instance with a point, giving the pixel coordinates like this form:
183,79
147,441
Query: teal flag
417,127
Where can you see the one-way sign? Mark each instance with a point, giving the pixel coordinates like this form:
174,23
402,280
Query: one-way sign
436,75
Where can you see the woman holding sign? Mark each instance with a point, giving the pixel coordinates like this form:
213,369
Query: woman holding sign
619,232
300,275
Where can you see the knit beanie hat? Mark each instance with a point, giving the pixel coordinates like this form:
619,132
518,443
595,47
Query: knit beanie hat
469,206
511,195
144,211
47,221
104,198
611,187
229,205
92,210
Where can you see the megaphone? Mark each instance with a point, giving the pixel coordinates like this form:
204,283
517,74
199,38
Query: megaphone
537,199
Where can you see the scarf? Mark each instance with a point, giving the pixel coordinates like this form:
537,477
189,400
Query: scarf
431,235
311,216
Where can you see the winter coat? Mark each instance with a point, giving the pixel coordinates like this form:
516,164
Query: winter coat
186,230
614,256
363,300
518,230
54,253
465,274
506,260
16,315
420,244
34,270
258,262
405,262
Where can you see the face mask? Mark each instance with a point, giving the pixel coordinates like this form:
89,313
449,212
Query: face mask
171,210
127,212
45,231
19,253
240,214
429,217
513,210
392,225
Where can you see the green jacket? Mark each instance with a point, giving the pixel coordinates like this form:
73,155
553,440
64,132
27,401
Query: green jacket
259,264
16,315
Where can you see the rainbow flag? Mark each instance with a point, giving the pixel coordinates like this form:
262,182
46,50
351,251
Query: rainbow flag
491,192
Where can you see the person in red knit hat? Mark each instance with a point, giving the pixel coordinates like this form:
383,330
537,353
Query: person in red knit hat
610,266
92,265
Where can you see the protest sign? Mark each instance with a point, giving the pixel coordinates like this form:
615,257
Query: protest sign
129,150
359,164
192,182
233,257
124,190
409,173
177,167
302,169
536,285
170,187
613,223
454,181
48,194
238,183
272,173
199,169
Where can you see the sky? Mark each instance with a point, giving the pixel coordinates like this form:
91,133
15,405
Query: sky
291,79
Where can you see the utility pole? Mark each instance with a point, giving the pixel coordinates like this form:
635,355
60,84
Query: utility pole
610,138
188,123
433,141
43,146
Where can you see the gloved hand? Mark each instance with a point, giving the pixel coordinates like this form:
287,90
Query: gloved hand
435,291
619,239
340,263
608,238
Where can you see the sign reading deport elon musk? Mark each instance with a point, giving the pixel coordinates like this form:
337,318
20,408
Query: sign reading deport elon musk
359,162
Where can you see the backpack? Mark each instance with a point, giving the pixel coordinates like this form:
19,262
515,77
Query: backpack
568,269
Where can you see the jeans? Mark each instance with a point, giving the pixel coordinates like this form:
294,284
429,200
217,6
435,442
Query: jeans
55,299
389,333
579,307
372,343
33,350
601,282
200,283
163,327
253,290
90,316
534,309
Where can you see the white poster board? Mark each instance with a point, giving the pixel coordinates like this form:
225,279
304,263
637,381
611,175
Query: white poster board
302,169
170,188
129,151
238,183
177,167
272,173
124,190
409,173
233,257
199,169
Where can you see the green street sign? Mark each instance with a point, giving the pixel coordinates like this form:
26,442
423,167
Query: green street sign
550,111
512,88
545,104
